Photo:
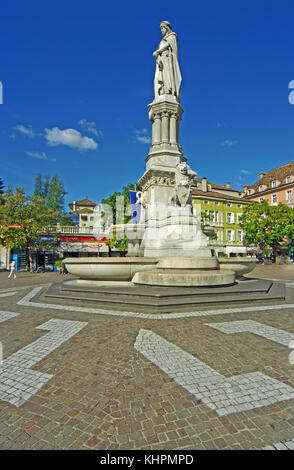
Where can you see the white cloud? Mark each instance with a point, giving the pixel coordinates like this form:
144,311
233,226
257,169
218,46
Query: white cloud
229,143
220,124
245,172
69,137
40,156
142,136
26,130
90,126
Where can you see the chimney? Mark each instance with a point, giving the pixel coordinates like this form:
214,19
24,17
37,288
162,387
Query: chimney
74,206
228,185
204,183
262,174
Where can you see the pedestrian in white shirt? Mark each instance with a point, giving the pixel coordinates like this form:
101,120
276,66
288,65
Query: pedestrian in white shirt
12,269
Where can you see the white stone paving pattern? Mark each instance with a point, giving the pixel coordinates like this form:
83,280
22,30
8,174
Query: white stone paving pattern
7,315
17,382
260,329
7,294
224,395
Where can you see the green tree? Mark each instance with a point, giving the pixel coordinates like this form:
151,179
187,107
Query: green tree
66,221
55,197
46,186
268,227
22,220
38,188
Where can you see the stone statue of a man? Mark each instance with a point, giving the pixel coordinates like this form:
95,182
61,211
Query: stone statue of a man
168,77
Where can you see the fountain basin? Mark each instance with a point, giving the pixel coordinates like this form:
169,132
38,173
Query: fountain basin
238,264
109,269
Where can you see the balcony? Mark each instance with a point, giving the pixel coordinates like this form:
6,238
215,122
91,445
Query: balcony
70,230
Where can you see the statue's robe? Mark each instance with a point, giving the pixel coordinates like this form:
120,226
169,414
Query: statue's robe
168,75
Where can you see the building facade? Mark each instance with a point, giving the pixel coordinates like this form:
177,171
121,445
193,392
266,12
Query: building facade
276,186
224,206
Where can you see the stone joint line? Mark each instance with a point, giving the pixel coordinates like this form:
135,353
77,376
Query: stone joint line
224,395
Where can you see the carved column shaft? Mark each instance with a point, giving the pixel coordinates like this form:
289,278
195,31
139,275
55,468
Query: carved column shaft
156,130
165,127
173,129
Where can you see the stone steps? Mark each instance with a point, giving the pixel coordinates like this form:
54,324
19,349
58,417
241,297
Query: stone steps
134,299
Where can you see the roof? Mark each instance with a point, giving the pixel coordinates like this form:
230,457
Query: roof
217,186
82,211
278,173
86,202
215,195
83,202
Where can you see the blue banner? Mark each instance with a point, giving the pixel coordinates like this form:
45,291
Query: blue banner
135,208
15,258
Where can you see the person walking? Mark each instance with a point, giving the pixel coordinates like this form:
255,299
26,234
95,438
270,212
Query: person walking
12,269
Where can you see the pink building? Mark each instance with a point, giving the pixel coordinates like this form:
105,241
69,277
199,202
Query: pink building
276,186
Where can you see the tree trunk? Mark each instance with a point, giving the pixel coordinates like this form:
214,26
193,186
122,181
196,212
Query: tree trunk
30,259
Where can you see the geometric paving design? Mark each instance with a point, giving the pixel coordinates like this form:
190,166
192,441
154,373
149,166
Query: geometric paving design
224,395
17,382
7,294
268,332
7,315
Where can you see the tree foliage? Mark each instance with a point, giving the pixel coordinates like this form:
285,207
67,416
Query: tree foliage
22,219
52,191
268,227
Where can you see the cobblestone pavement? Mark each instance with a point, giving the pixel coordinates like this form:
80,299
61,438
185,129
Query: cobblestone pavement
77,380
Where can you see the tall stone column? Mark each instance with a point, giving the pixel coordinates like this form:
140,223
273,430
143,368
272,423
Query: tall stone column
156,129
173,128
165,126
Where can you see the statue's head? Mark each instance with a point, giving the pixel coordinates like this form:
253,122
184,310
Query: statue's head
165,27
183,167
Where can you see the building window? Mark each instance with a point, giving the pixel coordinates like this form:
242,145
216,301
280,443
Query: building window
239,236
289,195
274,199
230,218
206,202
249,191
260,199
239,215
229,205
91,219
274,184
288,179
230,236
216,203
260,188
239,206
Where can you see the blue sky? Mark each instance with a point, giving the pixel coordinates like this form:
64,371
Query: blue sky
78,75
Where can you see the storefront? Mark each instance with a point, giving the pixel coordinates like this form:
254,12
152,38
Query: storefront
71,247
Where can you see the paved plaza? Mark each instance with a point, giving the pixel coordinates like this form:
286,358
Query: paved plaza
75,376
